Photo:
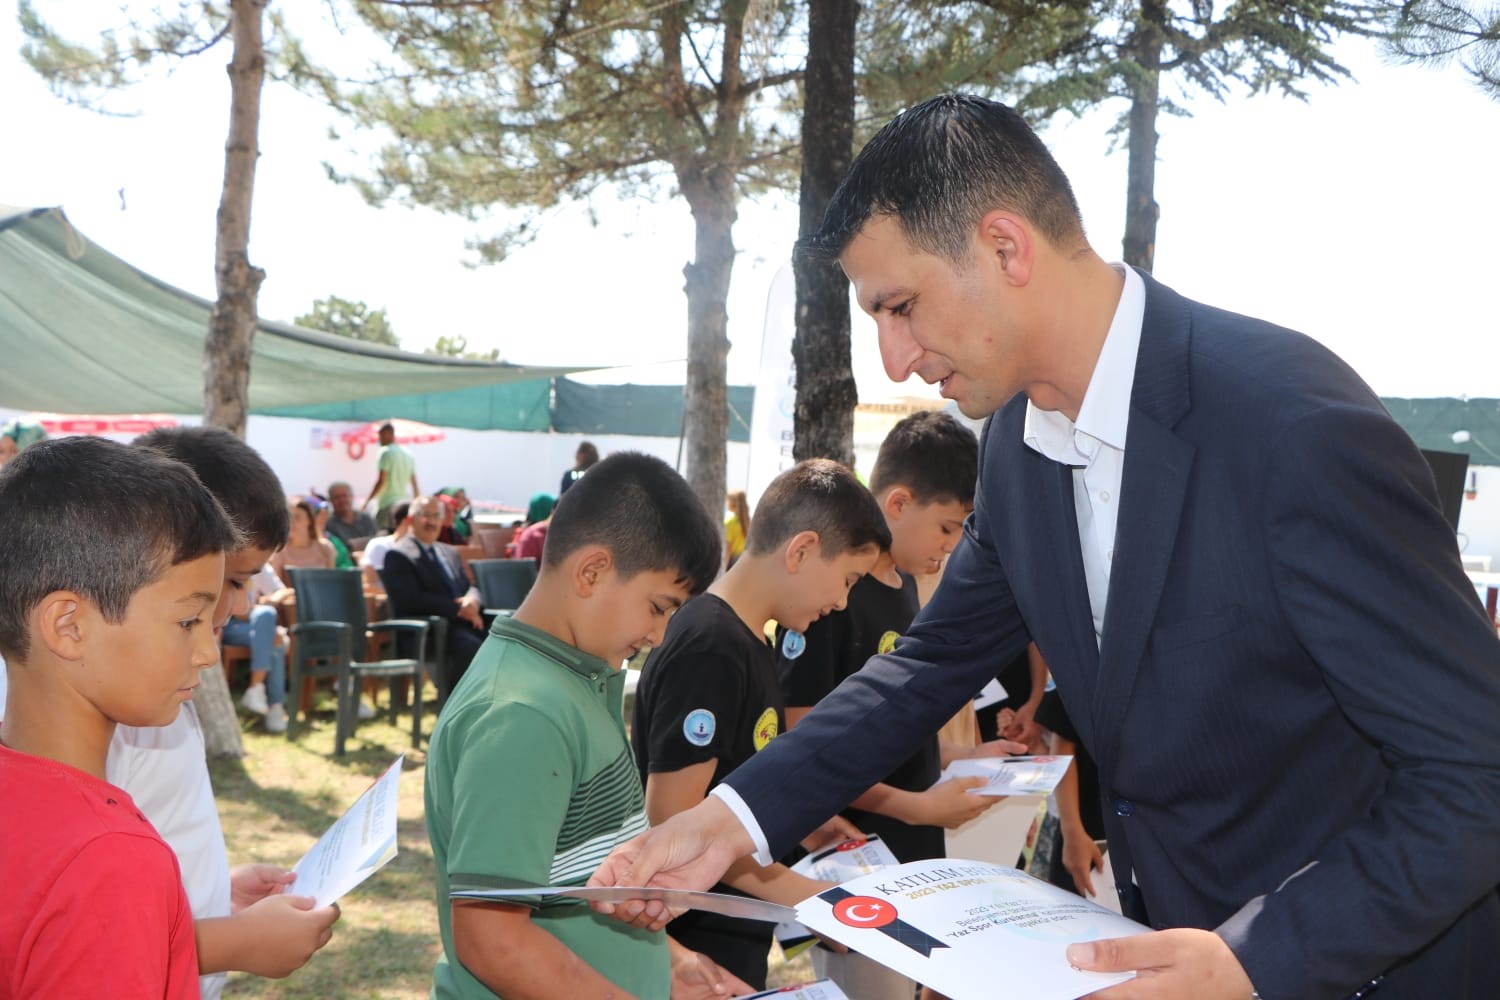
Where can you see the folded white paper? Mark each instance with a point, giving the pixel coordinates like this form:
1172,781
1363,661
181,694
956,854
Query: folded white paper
356,846
1010,775
823,989
677,899
962,927
989,694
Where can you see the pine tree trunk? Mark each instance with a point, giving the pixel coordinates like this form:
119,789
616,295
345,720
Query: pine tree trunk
215,705
231,328
826,393
710,193
1141,209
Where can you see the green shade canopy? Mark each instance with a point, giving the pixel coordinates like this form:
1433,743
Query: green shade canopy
81,331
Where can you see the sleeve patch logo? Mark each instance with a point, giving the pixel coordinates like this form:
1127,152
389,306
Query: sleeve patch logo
887,642
699,726
793,644
766,727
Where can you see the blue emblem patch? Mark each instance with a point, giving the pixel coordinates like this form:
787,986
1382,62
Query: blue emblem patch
793,644
698,728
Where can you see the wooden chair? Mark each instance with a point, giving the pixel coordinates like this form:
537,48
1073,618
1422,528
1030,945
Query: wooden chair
503,583
330,629
230,657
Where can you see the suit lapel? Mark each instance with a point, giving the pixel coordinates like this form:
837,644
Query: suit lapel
1158,465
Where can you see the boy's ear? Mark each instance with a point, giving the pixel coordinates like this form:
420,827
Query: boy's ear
803,546
589,566
895,502
59,622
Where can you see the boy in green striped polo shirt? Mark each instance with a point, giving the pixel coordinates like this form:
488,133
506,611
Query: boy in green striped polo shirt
529,777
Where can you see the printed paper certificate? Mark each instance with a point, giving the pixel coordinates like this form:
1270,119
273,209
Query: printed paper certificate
839,863
823,989
961,927
356,846
1010,775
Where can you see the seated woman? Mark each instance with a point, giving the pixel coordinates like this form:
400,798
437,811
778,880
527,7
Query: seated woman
529,541
266,640
306,548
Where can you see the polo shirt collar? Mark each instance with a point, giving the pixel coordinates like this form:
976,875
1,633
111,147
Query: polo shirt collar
1105,413
584,664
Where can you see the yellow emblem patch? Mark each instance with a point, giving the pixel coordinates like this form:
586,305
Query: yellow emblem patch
887,642
766,728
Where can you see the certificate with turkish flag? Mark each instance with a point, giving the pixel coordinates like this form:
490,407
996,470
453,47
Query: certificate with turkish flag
961,927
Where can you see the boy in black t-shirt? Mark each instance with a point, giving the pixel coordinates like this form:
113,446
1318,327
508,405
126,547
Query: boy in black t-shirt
708,698
924,480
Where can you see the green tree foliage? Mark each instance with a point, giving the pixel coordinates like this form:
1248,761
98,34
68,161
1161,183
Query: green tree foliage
1080,54
350,319
457,346
1437,31
530,104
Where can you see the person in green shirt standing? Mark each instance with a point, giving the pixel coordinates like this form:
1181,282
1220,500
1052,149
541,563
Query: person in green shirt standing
397,469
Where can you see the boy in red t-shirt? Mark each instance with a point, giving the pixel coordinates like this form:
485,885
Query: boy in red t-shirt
111,564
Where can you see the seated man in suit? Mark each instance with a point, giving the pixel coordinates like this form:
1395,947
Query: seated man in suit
425,577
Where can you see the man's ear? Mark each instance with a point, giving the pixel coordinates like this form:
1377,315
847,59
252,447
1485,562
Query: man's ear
61,621
590,563
803,546
1007,240
897,501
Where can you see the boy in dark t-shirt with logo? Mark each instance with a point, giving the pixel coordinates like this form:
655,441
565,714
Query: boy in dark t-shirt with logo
923,479
708,698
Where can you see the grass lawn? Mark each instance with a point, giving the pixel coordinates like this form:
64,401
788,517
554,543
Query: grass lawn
278,800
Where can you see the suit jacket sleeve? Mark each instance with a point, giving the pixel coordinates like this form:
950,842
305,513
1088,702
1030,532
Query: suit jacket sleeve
409,595
1364,569
876,719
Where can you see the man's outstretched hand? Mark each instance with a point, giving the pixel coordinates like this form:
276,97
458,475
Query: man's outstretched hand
691,850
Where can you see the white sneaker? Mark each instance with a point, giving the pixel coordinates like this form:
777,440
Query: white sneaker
366,710
254,699
276,719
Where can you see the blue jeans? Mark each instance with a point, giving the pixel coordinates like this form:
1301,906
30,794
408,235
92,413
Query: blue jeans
259,633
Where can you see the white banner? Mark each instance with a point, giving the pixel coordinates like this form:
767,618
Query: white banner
775,389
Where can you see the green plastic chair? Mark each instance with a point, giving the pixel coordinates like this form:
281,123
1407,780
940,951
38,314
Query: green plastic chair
330,629
503,583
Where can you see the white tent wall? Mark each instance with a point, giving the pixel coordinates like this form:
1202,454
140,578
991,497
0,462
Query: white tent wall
506,467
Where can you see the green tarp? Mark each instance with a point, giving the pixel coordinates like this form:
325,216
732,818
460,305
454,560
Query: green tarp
653,410
518,406
1433,422
82,331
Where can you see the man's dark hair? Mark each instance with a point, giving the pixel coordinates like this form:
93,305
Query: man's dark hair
823,496
101,519
399,512
932,455
940,167
636,506
235,474
387,427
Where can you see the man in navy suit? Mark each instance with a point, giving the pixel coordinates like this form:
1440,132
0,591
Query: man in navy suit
422,576
1231,557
